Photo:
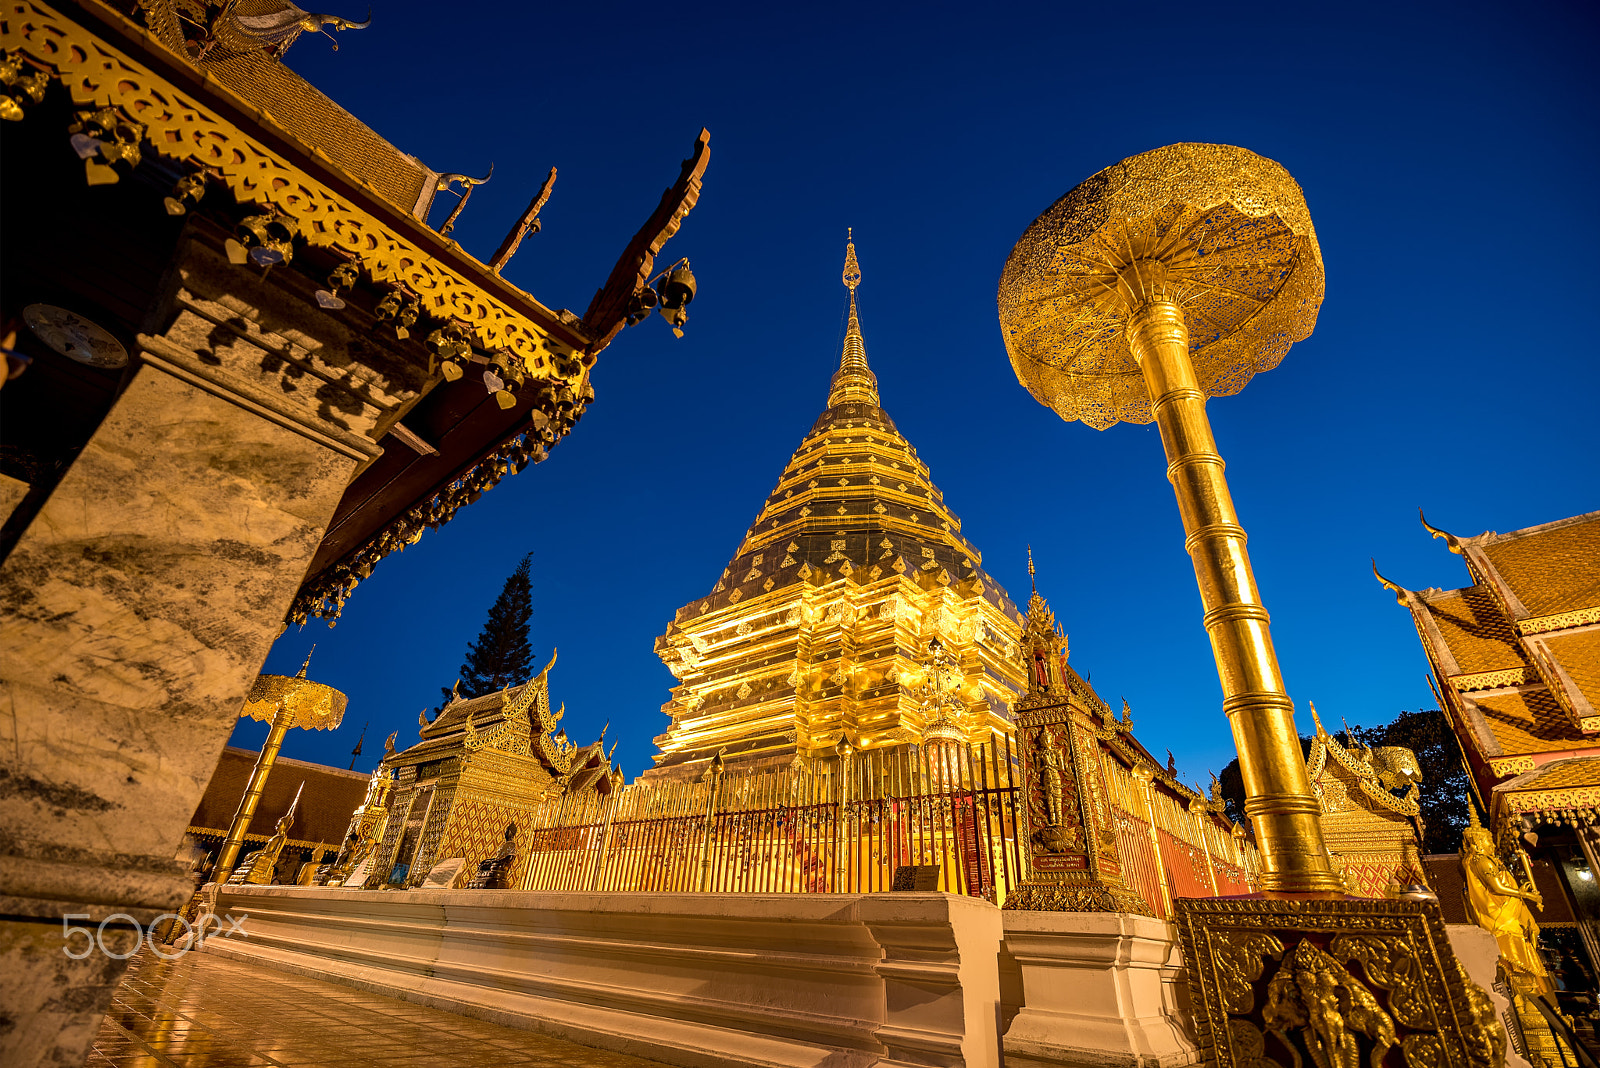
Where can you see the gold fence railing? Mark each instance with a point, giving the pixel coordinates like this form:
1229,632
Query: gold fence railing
848,825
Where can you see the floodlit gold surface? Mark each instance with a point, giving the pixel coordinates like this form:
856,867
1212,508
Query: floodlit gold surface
308,705
1224,231
1175,275
205,1011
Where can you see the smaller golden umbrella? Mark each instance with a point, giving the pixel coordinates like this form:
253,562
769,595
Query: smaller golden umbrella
284,701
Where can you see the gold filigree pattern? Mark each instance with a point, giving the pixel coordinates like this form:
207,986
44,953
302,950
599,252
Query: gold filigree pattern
1582,617
1409,989
185,130
1494,680
1229,235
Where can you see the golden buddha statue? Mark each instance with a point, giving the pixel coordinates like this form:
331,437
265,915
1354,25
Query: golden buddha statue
1499,904
259,868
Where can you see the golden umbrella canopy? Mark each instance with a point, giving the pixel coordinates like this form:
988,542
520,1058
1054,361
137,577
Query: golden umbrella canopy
306,704
1221,231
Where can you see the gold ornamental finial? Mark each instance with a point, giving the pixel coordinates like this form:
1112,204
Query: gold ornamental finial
307,665
1401,594
854,382
1031,581
1449,538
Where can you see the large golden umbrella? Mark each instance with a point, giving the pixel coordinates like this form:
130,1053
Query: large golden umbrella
1168,278
284,701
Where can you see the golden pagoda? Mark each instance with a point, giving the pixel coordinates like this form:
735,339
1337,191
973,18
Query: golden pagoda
817,632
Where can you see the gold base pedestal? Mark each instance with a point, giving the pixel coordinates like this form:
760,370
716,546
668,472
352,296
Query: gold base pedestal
1070,897
1332,983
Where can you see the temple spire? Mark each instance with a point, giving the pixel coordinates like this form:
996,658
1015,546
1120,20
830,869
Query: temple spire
854,382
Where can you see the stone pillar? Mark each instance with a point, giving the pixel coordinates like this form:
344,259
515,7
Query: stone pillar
141,601
1100,990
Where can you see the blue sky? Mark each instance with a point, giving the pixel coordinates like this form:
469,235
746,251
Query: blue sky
1448,155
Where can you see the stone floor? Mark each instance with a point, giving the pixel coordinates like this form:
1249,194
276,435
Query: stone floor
201,1011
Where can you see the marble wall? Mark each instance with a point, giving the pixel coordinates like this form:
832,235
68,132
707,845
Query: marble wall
140,603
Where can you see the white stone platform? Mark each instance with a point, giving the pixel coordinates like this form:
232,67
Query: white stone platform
777,981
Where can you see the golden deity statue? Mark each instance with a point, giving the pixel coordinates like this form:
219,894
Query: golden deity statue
258,867
1499,902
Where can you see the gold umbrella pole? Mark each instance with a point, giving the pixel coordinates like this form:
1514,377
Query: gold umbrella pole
1278,793
252,795
284,701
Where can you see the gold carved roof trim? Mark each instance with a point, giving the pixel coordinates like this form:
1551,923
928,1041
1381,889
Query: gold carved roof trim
1494,680
1581,617
187,125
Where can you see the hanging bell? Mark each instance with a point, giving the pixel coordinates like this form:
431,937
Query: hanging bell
15,83
185,194
450,352
643,304
389,306
505,369
265,240
343,277
405,319
677,292
103,137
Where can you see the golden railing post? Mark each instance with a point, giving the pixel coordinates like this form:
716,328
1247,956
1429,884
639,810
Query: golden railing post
1145,777
714,775
1277,789
605,839
841,851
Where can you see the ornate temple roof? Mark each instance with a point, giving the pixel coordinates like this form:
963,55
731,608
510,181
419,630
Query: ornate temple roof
1517,653
518,719
322,816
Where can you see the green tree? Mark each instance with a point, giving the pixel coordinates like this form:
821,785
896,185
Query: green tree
1426,733
501,656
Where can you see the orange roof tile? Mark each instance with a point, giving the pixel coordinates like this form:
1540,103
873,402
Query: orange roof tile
1558,775
1476,631
1530,721
1551,570
1579,655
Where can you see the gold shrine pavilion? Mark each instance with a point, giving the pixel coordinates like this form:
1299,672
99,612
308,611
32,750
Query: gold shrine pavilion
483,764
817,630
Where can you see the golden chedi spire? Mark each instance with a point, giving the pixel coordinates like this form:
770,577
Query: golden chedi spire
818,630
854,381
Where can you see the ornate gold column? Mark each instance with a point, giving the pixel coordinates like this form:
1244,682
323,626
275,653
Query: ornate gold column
1168,278
1278,794
1174,276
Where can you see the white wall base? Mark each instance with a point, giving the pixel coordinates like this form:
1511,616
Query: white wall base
907,980
1099,990
1475,948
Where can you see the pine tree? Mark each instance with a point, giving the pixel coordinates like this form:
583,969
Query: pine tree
501,656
